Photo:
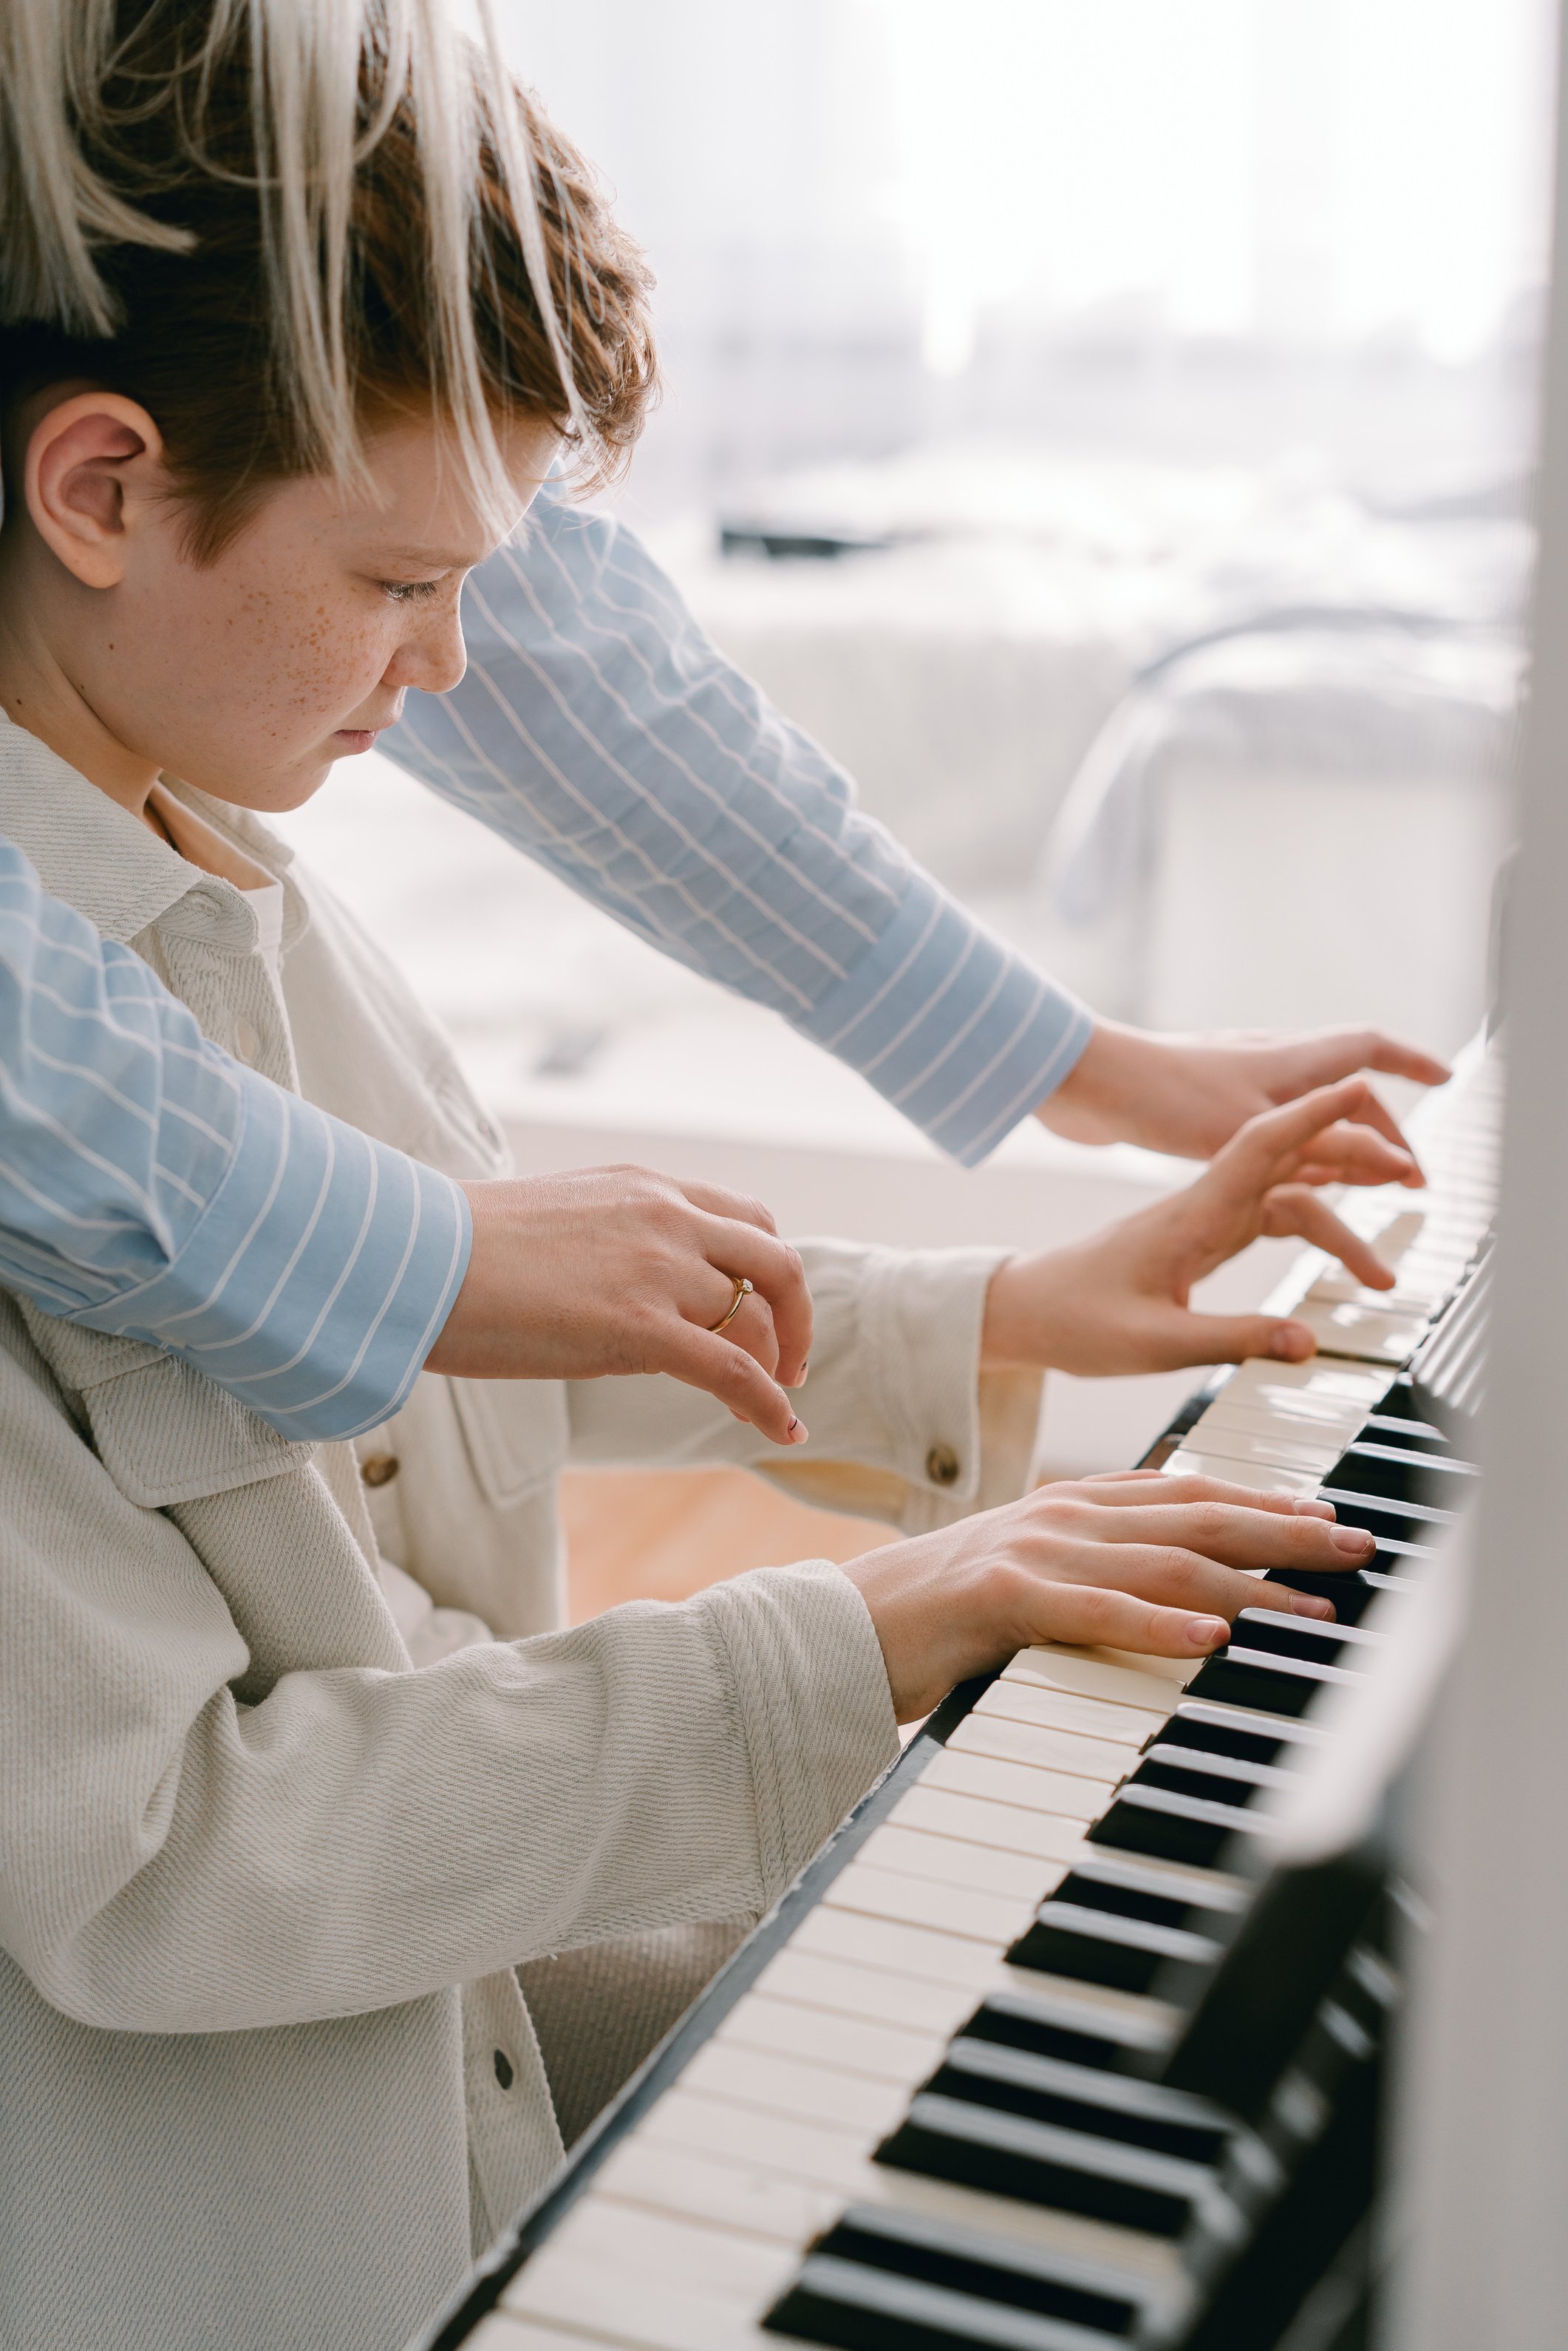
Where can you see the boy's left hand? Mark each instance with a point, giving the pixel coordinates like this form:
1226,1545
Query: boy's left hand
1117,1301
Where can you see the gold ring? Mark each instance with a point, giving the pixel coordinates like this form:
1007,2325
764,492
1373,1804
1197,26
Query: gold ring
742,1292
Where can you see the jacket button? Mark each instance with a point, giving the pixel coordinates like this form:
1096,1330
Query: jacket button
379,1468
248,1044
942,1466
505,2072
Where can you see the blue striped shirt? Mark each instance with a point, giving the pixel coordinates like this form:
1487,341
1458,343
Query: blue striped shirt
151,1187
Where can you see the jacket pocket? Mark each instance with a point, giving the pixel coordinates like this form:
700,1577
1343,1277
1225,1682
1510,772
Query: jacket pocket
163,1431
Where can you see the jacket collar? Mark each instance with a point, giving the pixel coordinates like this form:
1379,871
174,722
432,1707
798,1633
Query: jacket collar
106,863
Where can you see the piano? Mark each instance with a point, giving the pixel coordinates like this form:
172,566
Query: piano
1075,2034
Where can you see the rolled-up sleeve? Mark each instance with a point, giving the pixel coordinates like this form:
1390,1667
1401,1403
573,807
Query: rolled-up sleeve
599,731
904,1424
154,1189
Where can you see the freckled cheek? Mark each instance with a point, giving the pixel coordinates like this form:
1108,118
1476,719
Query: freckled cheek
318,671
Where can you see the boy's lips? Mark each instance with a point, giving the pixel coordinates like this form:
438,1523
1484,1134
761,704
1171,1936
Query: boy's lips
357,738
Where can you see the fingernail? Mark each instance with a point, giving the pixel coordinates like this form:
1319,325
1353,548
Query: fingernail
1307,1603
1292,1343
1208,1632
799,1431
1355,1540
804,1369
1307,1507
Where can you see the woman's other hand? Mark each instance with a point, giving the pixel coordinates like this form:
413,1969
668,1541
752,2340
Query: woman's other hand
1138,1561
1189,1095
617,1270
1117,1301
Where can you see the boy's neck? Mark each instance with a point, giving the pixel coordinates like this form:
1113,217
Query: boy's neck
37,692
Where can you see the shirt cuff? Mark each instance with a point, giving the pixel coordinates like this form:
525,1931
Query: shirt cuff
936,1437
315,1282
953,1027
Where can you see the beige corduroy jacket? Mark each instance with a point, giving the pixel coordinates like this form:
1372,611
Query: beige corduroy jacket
274,1835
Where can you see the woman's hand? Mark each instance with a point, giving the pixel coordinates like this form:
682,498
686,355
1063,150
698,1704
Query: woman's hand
615,1270
1189,1095
1137,1562
1118,1300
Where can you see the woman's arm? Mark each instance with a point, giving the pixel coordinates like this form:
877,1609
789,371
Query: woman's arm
599,730
154,1189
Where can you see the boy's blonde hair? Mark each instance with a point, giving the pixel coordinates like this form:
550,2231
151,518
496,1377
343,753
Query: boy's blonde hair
273,222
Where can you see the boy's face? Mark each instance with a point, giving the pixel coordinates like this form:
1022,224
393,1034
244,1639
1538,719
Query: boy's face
249,676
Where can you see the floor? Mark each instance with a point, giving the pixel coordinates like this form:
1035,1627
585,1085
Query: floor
662,1535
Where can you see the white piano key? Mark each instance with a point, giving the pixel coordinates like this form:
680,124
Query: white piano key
1214,1439
1420,1291
1309,1419
1023,1699
1079,1750
823,2094
845,1989
1025,1785
1096,1673
1269,1383
727,2130
501,2332
1102,1761
781,2028
994,1918
955,1862
652,2280
1262,1477
1046,1839
1363,1332
724,2192
875,1942
747,2181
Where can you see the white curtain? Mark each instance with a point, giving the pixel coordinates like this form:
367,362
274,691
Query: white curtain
1316,171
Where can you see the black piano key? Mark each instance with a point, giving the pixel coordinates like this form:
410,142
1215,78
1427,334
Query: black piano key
1204,1891
1168,1827
1217,1779
884,2278
1239,1675
1386,1518
1399,1474
1231,1730
1158,1898
1404,1429
1050,2024
1072,2171
1332,1644
1084,2098
864,2309
1097,1947
1349,1595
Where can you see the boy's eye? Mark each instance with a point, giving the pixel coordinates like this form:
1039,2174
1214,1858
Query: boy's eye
409,592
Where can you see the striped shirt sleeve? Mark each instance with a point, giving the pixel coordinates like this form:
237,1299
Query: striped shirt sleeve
599,731
154,1189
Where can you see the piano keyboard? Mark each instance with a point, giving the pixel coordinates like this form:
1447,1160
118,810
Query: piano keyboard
960,2088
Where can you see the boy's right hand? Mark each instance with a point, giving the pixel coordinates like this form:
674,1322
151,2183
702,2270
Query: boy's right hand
617,1270
1135,1560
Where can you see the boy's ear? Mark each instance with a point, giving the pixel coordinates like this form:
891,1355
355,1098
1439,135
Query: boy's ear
90,466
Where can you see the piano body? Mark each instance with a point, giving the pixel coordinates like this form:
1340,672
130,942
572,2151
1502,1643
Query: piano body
1077,2035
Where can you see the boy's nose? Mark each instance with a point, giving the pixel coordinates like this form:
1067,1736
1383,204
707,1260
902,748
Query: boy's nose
435,660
